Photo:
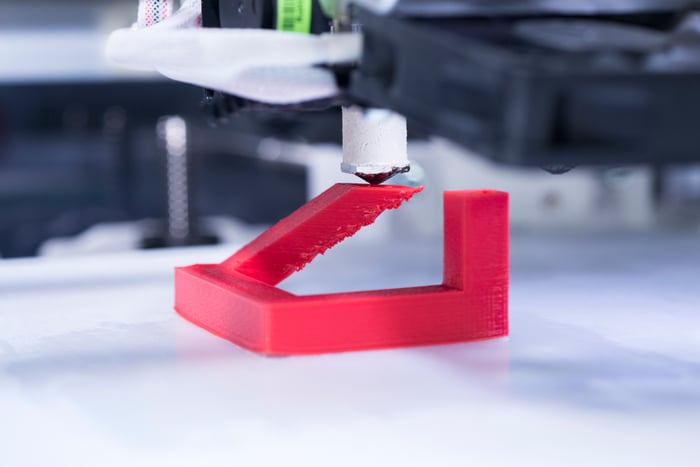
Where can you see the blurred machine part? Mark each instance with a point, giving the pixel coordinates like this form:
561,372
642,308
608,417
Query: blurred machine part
535,83
554,91
542,84
550,84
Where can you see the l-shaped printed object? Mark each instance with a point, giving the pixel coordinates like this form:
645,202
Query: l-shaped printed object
238,301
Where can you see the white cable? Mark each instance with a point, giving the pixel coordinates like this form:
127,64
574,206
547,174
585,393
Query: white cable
189,15
152,12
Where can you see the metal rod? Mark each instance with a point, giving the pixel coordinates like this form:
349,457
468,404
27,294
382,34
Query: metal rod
172,131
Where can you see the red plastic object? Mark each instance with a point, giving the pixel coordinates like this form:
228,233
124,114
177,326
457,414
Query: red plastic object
238,300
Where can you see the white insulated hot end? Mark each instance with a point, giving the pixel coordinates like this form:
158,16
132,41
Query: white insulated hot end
375,144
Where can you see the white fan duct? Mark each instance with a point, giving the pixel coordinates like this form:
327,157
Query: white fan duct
262,65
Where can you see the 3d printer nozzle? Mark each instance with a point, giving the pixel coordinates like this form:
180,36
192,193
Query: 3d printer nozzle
375,145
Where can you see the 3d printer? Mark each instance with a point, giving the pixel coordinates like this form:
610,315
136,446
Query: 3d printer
529,82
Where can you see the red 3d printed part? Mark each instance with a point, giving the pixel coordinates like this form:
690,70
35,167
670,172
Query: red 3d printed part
238,300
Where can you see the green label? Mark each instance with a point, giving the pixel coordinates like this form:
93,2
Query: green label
294,15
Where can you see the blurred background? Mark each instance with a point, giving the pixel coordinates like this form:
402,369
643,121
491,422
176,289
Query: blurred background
94,158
